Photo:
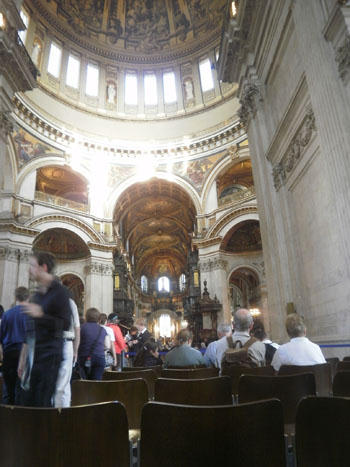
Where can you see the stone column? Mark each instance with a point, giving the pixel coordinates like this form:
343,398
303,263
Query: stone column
107,288
23,268
9,260
99,286
214,271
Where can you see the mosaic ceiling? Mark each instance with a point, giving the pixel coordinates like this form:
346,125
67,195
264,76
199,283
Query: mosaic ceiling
157,218
135,26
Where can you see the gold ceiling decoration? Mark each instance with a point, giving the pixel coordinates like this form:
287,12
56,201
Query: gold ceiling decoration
135,26
157,219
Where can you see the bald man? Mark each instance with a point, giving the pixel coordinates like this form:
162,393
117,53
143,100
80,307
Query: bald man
242,323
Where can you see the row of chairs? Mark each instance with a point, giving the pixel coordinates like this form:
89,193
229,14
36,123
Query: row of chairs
174,435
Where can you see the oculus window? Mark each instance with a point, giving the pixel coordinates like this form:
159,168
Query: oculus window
92,77
73,72
206,75
25,19
131,89
163,284
144,284
54,64
169,87
150,86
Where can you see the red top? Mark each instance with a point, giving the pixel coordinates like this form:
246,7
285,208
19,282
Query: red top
119,342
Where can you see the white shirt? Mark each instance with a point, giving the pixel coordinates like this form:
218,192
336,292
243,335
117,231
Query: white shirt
110,332
299,351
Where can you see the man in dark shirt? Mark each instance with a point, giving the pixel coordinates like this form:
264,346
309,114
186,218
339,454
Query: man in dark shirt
50,310
143,336
12,336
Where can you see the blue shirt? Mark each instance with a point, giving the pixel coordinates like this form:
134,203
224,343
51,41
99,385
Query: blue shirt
13,328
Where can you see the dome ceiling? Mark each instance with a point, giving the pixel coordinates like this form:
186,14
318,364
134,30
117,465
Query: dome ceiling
127,29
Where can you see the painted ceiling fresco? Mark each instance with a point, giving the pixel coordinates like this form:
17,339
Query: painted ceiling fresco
28,147
63,243
61,181
146,26
157,218
243,237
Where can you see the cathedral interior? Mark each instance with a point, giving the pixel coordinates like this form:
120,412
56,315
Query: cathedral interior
180,158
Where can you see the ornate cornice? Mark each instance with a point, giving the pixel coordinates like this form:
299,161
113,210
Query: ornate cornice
213,232
342,57
18,229
221,136
101,247
204,243
68,220
295,150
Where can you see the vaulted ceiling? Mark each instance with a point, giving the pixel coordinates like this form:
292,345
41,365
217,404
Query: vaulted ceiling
156,219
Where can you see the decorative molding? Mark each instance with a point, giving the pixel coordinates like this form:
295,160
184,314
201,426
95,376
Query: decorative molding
102,269
213,232
295,150
6,126
68,220
251,95
101,247
213,265
342,57
200,243
18,229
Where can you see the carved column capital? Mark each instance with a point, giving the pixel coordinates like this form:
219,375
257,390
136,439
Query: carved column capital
6,126
9,253
251,95
213,264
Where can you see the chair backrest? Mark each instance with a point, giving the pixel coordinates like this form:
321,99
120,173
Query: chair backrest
341,384
333,363
157,368
44,437
184,435
236,371
190,373
288,389
346,359
208,391
133,393
343,366
322,432
148,375
322,372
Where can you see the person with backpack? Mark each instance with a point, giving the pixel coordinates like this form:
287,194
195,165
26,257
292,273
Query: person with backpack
241,348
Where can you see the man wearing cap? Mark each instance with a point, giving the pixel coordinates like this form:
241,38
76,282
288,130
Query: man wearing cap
119,342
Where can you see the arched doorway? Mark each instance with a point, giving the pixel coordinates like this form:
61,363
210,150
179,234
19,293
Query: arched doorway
245,290
76,287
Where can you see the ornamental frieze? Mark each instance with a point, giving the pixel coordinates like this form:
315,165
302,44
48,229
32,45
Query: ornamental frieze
295,150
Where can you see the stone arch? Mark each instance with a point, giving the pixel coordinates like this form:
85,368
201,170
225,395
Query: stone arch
225,223
120,189
79,227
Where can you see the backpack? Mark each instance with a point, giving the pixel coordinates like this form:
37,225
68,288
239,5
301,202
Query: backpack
237,354
269,353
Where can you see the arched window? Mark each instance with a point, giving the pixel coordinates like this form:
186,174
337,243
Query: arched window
163,284
182,282
144,284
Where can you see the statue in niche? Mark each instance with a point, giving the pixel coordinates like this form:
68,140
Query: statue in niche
111,93
36,53
188,87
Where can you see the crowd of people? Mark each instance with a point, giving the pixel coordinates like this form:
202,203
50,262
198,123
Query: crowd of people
42,340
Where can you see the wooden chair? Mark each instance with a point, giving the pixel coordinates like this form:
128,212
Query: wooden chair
333,363
157,368
346,359
209,391
42,437
343,366
288,389
190,373
183,435
341,384
236,371
132,393
148,375
322,432
322,372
